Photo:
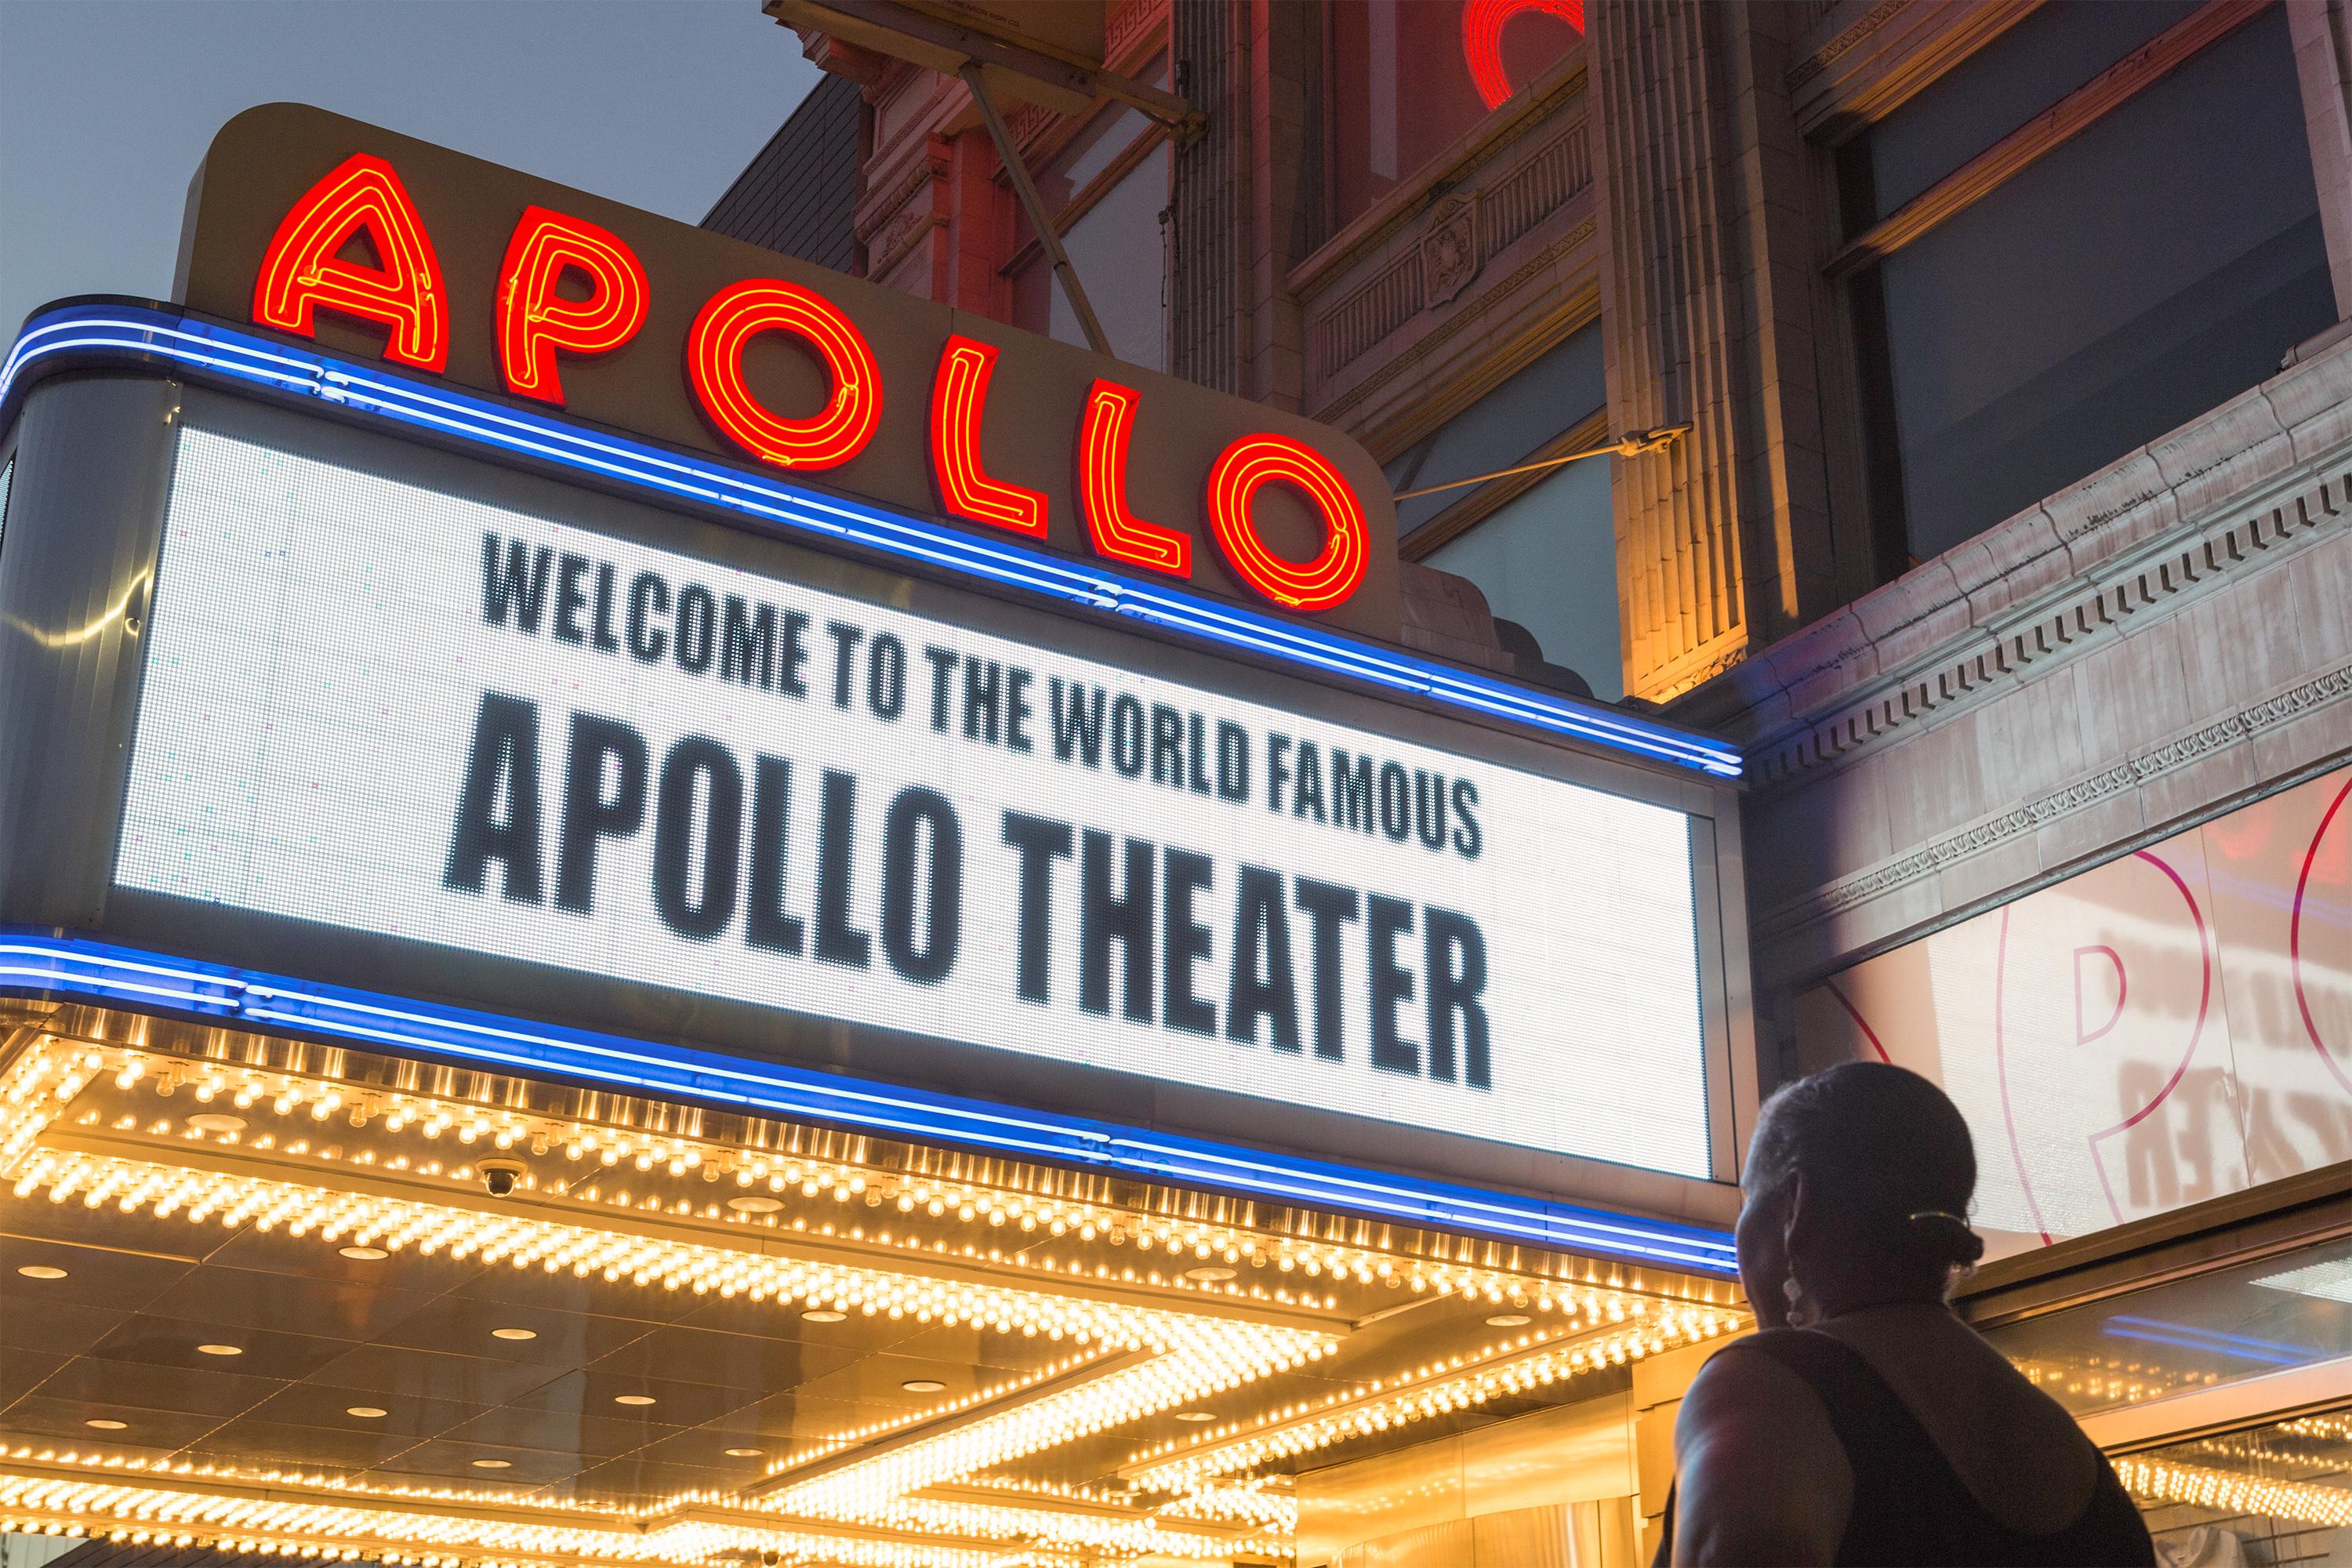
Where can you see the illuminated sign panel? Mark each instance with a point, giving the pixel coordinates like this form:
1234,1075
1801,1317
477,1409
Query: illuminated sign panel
331,232
400,711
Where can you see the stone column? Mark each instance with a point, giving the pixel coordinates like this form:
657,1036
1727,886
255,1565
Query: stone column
1205,277
1706,299
2322,31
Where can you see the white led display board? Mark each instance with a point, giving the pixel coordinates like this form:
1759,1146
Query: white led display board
404,712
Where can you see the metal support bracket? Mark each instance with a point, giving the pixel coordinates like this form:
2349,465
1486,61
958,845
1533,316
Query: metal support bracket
1026,190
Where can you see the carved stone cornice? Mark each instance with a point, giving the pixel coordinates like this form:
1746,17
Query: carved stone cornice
2268,473
1468,315
2284,707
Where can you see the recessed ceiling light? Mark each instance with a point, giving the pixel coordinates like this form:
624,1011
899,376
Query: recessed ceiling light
1208,1276
922,1385
514,1334
216,1121
754,1203
1509,1320
105,1426
221,1349
494,1464
1194,1415
633,1399
364,1254
41,1271
822,1315
364,1412
745,1453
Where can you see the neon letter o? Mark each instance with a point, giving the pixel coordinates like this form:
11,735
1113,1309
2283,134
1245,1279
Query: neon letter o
714,365
1234,479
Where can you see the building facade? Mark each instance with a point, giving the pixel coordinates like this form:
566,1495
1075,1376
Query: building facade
2003,524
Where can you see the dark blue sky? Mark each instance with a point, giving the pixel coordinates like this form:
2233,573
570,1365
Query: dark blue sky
105,107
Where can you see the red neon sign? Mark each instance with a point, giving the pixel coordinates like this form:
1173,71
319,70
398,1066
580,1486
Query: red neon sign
1113,526
312,263
534,321
1238,474
714,366
958,394
301,274
1482,39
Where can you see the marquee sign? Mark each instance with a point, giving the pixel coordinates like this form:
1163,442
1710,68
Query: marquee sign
325,230
408,711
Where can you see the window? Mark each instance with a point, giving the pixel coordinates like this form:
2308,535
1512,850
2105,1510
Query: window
1115,173
1403,79
1541,547
2155,264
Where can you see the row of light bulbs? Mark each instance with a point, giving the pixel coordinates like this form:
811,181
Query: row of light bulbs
2230,1491
501,1129
1215,1358
1232,1450
2109,1380
1250,1501
397,1225
141,1514
130,1507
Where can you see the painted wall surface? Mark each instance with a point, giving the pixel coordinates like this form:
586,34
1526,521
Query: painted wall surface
2167,1027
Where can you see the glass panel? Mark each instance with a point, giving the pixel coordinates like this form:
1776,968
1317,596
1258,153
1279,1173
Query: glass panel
1547,559
2040,335
1998,89
2271,1495
2246,1322
1120,251
2168,1027
1563,387
1408,77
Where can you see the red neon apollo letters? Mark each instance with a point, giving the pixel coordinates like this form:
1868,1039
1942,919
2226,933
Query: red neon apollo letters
534,321
714,365
1114,529
1247,466
301,275
1482,39
958,394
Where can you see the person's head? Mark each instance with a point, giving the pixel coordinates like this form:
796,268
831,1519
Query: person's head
1857,1190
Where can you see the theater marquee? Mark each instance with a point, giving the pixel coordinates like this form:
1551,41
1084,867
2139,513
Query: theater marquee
487,614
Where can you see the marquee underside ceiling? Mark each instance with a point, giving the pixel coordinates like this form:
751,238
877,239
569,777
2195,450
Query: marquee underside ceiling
692,1336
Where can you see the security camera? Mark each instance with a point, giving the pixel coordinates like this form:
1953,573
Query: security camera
770,1559
499,1175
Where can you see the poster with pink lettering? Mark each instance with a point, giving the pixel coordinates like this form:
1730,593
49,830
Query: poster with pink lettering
2164,1028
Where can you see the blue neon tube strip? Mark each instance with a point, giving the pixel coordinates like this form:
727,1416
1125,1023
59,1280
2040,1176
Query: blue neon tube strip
35,962
100,332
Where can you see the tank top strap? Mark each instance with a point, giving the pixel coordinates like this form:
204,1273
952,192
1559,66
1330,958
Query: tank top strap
1904,1488
1869,1418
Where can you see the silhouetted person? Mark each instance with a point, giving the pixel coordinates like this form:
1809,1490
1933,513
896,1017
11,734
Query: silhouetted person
1865,1423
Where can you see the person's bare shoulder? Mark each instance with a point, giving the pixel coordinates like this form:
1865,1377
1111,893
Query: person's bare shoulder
1761,1478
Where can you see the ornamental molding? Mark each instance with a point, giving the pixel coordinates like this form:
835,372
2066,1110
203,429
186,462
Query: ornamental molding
1449,250
882,205
1462,231
2170,756
1436,337
1997,658
1877,17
